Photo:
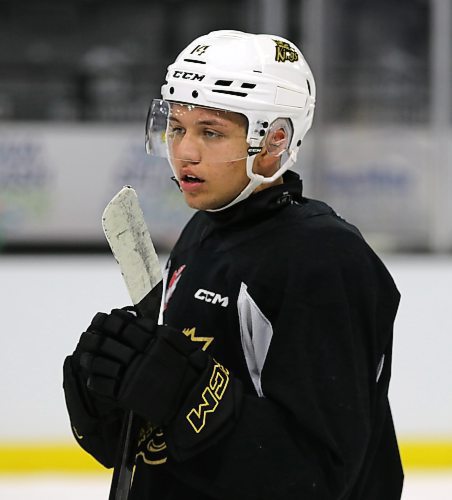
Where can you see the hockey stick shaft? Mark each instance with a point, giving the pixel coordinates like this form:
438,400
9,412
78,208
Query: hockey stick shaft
131,244
123,470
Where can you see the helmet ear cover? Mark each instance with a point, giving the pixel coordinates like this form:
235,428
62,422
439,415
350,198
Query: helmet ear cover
278,137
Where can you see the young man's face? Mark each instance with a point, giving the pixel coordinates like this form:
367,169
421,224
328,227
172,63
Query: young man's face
208,150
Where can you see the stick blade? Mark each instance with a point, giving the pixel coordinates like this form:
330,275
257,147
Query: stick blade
130,242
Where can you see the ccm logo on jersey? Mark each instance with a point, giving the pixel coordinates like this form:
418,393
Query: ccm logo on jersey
212,297
185,75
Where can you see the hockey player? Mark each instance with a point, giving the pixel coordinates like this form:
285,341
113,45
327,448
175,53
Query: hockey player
268,375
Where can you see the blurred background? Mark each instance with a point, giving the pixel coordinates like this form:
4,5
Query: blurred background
76,80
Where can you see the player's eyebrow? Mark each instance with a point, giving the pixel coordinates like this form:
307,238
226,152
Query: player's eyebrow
212,122
208,122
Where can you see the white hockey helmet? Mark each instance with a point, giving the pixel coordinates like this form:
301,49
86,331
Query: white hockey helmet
263,77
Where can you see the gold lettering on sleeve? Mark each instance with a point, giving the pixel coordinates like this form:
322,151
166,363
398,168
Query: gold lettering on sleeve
211,397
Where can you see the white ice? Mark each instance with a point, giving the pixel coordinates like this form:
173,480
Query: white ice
418,486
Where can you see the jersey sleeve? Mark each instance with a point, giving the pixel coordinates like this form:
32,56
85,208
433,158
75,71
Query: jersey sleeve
308,433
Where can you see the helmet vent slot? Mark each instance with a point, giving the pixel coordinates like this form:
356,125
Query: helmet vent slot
248,85
309,87
194,61
230,92
223,83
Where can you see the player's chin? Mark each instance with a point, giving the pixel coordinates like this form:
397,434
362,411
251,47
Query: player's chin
200,202
194,201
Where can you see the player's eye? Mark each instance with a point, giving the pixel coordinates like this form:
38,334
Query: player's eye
212,134
175,130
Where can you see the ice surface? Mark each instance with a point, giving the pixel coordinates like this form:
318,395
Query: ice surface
418,486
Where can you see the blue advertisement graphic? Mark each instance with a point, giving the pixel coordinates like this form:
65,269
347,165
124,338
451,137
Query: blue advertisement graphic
25,180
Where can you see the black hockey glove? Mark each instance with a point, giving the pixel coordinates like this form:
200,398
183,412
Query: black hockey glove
157,372
97,434
95,421
78,397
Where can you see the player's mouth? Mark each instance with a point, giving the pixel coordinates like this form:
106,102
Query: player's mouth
190,182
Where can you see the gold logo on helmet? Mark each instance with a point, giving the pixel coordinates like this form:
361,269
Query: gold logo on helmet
284,52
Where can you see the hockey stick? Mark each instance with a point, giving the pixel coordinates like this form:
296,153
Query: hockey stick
129,239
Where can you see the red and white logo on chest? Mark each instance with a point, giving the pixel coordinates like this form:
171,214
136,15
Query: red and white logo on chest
173,283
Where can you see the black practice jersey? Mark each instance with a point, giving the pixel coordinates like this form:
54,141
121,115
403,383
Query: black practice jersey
291,300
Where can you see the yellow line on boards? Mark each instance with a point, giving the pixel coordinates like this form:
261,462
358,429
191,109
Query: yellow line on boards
69,458
426,454
46,458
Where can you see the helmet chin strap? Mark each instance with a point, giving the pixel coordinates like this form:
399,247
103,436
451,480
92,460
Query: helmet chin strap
257,179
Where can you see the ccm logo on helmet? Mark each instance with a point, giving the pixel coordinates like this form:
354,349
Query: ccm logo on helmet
214,298
185,75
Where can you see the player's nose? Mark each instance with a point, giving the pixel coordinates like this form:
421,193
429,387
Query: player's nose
187,149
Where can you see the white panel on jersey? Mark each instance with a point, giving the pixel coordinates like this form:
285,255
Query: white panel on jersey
164,298
380,367
256,333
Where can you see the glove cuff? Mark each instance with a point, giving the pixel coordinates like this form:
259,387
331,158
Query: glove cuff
207,414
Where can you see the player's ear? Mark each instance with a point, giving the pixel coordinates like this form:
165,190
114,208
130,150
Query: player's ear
276,141
268,160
